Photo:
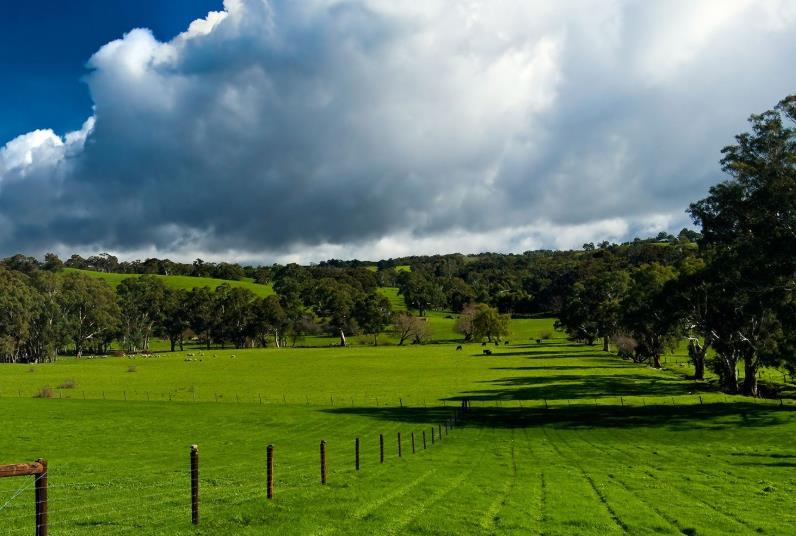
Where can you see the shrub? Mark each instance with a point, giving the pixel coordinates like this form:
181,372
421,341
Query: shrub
44,392
545,335
68,384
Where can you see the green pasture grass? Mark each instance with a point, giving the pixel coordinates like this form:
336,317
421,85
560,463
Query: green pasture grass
560,439
184,282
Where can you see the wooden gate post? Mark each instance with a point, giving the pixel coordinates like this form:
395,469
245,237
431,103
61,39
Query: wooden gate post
195,484
269,477
381,448
424,440
432,435
41,499
413,442
356,456
399,444
323,462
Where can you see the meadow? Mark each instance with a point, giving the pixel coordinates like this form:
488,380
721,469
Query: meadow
560,439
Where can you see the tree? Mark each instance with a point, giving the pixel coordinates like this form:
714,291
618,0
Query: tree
141,301
409,327
749,233
90,310
420,292
233,309
52,263
269,319
48,330
644,317
479,320
17,301
175,317
334,302
373,313
201,313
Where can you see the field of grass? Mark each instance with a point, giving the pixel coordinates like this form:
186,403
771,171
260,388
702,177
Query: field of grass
184,282
561,439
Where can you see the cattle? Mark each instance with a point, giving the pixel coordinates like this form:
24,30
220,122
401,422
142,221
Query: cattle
487,352
497,343
459,348
506,343
483,344
538,341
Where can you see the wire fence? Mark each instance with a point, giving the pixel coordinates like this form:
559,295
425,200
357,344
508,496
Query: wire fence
169,497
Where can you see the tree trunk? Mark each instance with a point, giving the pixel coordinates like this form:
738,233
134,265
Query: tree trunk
656,361
342,338
605,343
173,343
375,339
749,386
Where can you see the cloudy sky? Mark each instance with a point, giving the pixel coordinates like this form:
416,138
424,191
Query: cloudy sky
277,130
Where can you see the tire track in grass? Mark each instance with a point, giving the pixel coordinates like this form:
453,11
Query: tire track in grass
541,506
611,512
412,513
369,508
649,472
489,519
651,505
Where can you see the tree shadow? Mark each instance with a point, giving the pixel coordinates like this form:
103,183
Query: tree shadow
573,387
679,418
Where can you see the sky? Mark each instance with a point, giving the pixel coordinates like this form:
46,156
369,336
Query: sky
278,131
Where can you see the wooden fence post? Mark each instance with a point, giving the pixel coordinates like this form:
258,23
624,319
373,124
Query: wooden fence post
381,448
195,484
399,444
41,499
424,440
269,478
356,454
432,435
323,462
439,426
413,442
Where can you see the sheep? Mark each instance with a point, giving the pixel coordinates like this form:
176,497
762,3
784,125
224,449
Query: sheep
459,348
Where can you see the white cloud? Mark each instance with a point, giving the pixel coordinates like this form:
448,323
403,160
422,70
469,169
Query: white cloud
276,130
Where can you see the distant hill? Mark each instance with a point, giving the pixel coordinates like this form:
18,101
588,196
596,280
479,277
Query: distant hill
186,282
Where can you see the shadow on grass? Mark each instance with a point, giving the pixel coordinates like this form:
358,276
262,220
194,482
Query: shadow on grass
573,386
683,417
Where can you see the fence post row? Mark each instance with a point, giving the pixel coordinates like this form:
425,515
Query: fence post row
269,461
38,470
195,484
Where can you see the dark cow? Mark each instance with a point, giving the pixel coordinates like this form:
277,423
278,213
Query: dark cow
458,348
487,352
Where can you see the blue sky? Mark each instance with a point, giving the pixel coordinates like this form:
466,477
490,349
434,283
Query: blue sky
44,46
284,130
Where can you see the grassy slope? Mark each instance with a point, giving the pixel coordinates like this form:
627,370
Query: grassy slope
654,461
183,281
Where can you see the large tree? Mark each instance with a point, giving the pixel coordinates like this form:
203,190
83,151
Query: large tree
141,301
749,231
90,310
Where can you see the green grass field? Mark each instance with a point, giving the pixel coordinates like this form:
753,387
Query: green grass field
561,439
184,282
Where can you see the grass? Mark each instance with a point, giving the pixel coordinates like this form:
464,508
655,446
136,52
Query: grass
184,282
561,439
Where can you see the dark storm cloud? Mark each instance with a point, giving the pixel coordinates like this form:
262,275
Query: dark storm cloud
276,126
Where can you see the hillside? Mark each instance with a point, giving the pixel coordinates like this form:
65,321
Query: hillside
185,282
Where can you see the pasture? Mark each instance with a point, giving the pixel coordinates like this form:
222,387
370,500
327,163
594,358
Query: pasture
561,439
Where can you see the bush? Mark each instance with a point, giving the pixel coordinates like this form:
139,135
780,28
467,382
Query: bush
68,384
44,392
545,335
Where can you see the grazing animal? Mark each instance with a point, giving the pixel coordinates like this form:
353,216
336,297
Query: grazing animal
483,344
458,348
506,343
497,343
487,352
538,341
